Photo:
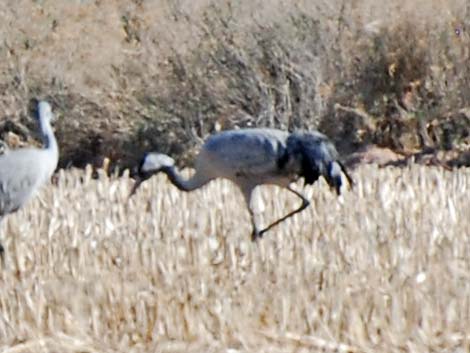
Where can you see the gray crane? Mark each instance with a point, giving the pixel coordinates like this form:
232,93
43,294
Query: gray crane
252,157
24,171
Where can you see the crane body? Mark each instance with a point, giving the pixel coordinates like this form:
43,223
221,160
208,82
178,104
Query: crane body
24,171
253,157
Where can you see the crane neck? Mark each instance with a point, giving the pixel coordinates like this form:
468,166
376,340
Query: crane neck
48,138
193,183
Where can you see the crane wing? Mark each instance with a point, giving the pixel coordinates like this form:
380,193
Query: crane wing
246,152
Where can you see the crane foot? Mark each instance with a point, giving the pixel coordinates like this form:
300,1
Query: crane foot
255,235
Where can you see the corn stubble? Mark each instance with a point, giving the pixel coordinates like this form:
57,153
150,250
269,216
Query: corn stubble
384,269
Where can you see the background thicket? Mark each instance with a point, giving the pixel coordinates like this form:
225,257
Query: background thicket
129,76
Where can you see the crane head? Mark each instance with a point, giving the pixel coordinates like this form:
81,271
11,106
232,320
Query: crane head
151,164
44,111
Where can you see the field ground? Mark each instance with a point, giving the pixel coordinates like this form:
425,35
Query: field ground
384,269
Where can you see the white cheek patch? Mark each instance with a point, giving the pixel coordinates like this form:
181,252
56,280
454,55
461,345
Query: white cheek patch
335,169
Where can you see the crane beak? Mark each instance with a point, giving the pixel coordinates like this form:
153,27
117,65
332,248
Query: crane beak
138,181
139,178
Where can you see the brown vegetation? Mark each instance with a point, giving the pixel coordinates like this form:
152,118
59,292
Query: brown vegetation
383,270
128,76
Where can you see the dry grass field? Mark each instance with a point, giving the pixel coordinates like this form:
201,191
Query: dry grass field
385,269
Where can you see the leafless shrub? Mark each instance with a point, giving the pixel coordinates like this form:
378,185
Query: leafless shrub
131,76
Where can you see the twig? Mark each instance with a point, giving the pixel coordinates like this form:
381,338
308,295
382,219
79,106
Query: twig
368,119
312,341
62,341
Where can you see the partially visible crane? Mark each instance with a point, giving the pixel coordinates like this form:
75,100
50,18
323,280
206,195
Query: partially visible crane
24,171
252,157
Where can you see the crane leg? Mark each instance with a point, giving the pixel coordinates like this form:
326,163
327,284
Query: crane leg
2,255
302,207
255,234
247,191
